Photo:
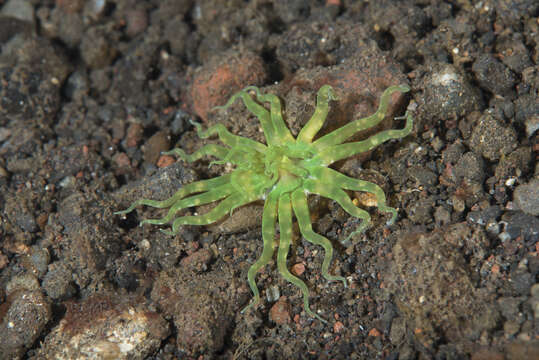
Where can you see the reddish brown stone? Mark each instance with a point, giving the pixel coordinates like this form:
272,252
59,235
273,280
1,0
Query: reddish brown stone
214,83
280,311
198,261
338,327
122,160
165,160
298,269
134,134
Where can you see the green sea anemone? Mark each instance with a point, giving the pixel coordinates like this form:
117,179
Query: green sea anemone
282,173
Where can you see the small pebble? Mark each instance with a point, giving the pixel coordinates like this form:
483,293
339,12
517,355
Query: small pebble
510,328
298,269
493,75
273,293
280,312
459,205
156,144
165,160
493,227
504,236
338,327
492,138
448,94
25,281
137,22
19,9
532,125
3,261
95,9
121,160
526,197
134,134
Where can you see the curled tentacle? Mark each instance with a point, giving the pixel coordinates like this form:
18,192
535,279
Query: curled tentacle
339,152
301,209
269,219
219,152
186,190
200,199
331,191
324,96
285,229
228,138
348,183
258,110
280,130
219,211
344,133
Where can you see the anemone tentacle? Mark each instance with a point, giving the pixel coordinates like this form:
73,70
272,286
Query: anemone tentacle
342,151
285,230
215,214
333,192
269,219
200,199
228,138
331,176
186,190
347,131
323,97
258,110
217,151
282,133
301,210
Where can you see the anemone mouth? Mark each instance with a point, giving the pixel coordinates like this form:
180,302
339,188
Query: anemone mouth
287,161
